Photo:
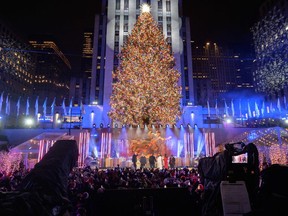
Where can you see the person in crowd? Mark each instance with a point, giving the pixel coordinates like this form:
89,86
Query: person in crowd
143,161
165,160
160,161
152,161
172,162
134,160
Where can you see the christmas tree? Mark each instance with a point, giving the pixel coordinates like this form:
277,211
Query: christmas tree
145,89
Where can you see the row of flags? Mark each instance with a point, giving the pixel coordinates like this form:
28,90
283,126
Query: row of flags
257,112
36,106
228,110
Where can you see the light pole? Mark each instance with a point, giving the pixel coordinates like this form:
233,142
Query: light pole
69,132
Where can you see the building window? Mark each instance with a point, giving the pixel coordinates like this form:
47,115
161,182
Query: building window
117,4
126,4
160,6
168,5
137,4
169,27
117,26
125,27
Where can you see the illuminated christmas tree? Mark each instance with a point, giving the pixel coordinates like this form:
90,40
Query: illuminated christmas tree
145,88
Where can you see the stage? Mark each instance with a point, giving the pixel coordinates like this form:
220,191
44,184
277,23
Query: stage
110,147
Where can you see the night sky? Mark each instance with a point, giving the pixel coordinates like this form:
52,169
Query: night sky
225,22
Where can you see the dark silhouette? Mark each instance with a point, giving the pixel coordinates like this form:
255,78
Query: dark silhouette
272,197
172,161
213,170
44,190
143,161
152,161
134,160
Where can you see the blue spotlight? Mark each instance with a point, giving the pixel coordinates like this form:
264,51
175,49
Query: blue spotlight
94,125
101,125
116,125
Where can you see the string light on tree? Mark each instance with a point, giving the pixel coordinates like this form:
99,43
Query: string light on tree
145,89
271,46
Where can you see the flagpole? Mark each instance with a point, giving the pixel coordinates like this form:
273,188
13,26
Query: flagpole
69,133
70,109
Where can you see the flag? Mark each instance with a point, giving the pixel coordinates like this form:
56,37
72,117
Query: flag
64,107
70,106
27,107
7,110
232,108
263,109
18,106
278,105
45,107
53,106
240,108
82,108
208,107
257,110
1,100
216,108
36,106
226,109
249,111
271,107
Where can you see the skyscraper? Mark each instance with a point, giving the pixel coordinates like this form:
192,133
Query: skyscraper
111,30
214,71
52,69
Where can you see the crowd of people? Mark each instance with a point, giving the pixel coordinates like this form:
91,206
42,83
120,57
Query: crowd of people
84,182
78,187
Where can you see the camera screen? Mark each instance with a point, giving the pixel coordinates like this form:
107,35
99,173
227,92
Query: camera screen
242,158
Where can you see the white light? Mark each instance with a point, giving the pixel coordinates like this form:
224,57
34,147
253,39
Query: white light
192,114
228,121
145,8
29,121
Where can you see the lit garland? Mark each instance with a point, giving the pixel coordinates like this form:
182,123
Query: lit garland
271,46
9,162
146,88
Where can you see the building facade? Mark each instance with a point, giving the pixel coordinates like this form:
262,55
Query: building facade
17,65
53,70
17,72
214,71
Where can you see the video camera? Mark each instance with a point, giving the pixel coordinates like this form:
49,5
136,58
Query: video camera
243,165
